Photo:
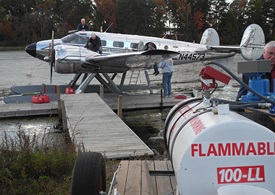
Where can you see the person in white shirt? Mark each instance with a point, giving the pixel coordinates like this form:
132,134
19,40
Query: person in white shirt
167,66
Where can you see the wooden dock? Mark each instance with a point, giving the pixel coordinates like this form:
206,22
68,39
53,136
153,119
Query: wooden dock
28,109
137,102
93,123
145,177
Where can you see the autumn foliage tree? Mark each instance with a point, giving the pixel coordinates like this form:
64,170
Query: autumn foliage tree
33,20
106,16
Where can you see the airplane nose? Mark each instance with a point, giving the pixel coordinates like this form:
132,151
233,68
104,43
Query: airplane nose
31,49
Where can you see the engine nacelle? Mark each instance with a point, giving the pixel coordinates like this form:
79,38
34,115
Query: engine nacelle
64,67
210,150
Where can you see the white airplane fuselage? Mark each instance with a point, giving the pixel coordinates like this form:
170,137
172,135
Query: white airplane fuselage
122,52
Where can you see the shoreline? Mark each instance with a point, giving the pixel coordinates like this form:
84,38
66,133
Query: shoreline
11,48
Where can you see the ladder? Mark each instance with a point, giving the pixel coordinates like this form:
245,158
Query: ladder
134,77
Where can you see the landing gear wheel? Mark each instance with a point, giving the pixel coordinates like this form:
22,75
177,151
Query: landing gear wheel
89,174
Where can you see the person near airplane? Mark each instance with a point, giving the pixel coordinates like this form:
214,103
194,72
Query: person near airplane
151,47
83,26
268,54
94,43
167,66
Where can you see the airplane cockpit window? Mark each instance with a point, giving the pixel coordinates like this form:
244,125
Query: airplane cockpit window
118,44
75,39
103,43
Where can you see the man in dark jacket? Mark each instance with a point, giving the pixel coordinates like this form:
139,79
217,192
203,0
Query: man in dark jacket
83,26
94,43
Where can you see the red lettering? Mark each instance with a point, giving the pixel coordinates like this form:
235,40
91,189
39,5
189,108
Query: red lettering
212,150
238,150
224,151
200,151
251,149
233,149
261,148
194,148
269,151
197,125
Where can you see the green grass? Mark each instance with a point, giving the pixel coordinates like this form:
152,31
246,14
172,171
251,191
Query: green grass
26,168
29,168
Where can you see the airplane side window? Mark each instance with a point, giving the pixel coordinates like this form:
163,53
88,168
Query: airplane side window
118,44
134,45
103,43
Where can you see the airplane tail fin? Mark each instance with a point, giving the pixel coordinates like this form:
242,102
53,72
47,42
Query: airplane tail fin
210,37
252,43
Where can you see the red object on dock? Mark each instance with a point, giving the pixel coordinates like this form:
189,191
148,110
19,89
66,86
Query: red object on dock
69,90
46,98
183,97
40,99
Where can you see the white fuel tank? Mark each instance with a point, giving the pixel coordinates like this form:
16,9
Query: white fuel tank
210,150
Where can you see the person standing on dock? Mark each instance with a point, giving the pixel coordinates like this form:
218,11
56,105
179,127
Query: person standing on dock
167,66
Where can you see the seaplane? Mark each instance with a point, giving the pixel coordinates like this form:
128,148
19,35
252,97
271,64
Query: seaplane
124,52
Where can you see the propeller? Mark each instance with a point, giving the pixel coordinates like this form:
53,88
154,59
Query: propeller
52,57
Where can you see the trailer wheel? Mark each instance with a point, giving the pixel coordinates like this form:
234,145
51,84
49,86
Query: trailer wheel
89,174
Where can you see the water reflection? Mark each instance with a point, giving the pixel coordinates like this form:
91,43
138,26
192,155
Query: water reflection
43,128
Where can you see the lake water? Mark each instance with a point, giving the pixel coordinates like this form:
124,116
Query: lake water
19,68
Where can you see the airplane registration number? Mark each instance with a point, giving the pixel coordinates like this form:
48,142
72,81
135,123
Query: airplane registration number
192,56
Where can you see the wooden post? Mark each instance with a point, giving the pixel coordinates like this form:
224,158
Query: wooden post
65,122
161,99
101,91
62,115
58,101
119,106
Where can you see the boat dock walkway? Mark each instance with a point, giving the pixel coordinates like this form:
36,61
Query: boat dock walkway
145,177
93,123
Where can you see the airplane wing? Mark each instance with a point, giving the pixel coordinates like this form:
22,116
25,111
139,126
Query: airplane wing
125,61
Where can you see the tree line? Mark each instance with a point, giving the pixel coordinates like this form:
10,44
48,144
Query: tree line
26,21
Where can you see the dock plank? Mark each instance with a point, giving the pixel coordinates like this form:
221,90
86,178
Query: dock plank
163,183
93,124
146,183
151,167
172,178
134,178
133,183
122,176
